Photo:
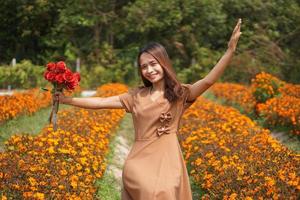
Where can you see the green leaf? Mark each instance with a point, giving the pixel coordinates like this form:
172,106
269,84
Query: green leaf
45,89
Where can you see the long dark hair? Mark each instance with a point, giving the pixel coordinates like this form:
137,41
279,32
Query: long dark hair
173,88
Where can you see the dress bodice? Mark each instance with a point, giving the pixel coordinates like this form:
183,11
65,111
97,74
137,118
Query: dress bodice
153,118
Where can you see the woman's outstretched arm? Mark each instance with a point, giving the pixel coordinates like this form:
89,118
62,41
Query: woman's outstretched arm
202,85
91,102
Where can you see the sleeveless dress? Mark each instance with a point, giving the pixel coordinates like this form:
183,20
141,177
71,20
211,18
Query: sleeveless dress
154,168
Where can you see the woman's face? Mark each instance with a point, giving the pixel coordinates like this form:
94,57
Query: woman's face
150,68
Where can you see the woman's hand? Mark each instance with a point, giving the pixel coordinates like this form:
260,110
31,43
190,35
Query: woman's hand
61,98
235,36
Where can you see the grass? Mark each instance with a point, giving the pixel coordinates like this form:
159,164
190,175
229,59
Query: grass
107,189
197,192
209,95
109,186
31,124
127,129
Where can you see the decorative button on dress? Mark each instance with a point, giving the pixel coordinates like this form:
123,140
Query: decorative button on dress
154,168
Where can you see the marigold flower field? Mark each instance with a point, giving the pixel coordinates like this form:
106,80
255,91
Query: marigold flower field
26,103
62,164
276,102
233,158
23,103
228,155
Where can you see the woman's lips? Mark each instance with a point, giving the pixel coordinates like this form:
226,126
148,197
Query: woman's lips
152,76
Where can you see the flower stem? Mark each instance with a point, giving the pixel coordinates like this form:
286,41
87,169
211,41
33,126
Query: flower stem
55,106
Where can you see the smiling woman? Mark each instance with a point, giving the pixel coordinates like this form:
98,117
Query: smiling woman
152,70
157,72
155,168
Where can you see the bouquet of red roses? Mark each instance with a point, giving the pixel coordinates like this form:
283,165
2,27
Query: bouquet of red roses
61,78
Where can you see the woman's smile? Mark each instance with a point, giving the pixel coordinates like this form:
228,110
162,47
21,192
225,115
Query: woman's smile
152,76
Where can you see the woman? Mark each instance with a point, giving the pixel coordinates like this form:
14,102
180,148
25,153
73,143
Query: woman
155,168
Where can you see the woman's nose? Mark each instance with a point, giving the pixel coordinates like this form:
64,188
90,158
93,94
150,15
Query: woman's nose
149,69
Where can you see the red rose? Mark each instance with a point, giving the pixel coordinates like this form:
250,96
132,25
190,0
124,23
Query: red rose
73,82
50,76
68,76
72,85
51,66
59,78
59,73
61,67
45,74
77,76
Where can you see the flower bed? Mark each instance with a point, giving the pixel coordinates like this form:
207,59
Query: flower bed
26,103
279,105
233,158
283,111
62,164
236,94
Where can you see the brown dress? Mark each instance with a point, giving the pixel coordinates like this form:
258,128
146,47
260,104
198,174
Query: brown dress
154,168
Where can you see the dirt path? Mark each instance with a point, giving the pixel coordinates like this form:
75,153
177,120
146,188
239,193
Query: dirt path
111,183
123,142
289,140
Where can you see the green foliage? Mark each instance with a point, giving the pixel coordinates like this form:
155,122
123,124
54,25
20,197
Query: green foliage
22,75
204,60
92,76
244,66
111,69
265,86
109,33
145,16
262,94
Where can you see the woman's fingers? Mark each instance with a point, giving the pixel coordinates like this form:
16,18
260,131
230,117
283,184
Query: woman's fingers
58,96
240,23
237,26
235,35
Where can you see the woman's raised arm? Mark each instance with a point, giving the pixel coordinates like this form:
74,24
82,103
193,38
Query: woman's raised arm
91,102
202,85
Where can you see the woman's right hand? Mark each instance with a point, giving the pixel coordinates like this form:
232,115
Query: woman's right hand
59,96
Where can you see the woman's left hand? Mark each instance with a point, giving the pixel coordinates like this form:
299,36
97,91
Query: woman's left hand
235,36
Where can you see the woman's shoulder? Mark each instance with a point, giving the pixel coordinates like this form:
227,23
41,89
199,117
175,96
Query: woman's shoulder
186,87
136,89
